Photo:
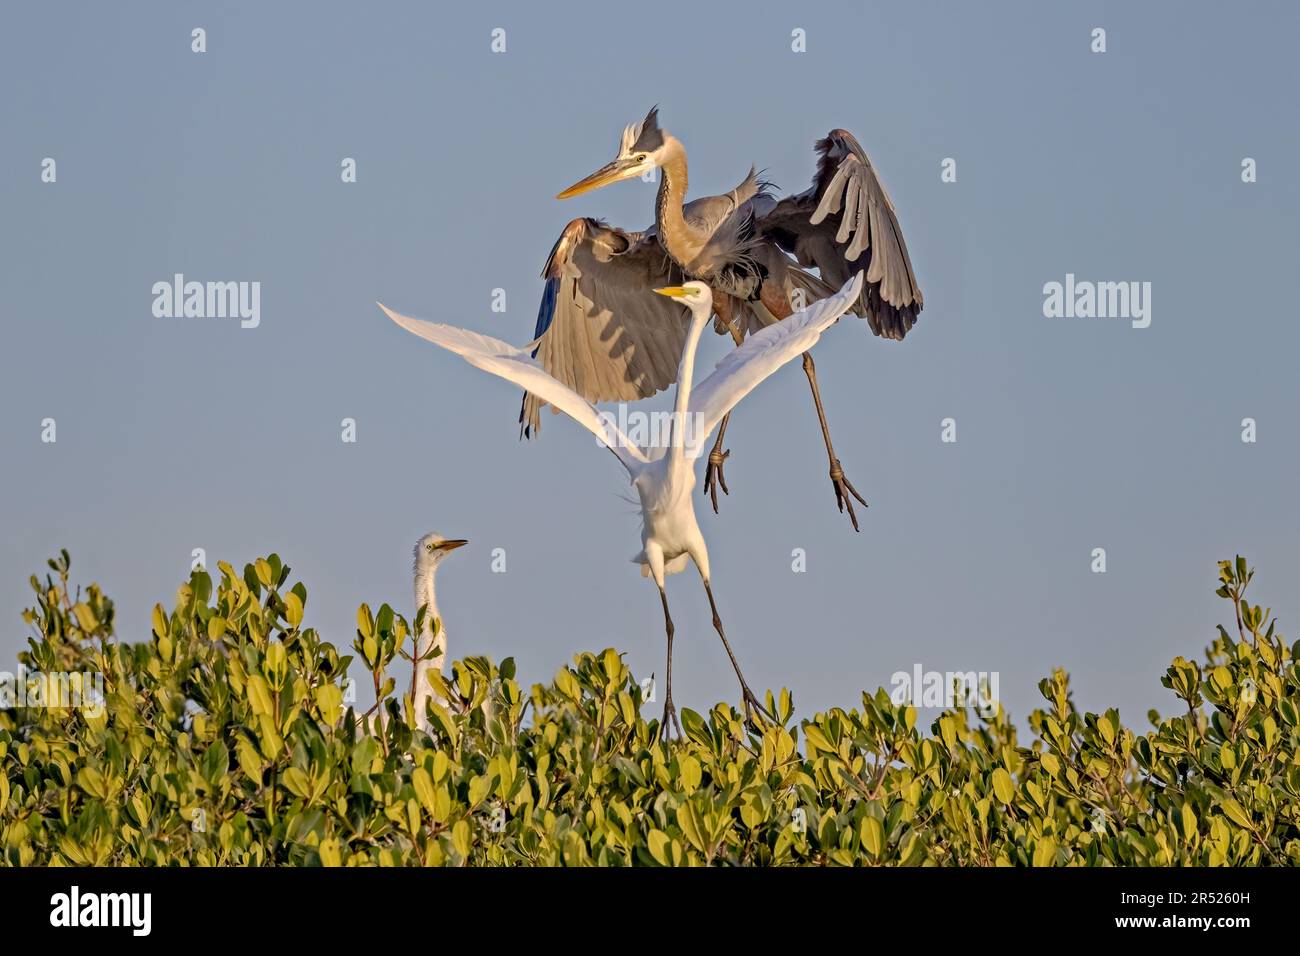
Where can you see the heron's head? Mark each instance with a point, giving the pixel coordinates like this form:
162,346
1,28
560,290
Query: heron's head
696,296
641,148
432,548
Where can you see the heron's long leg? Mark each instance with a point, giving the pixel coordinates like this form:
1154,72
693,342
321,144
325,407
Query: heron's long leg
750,701
670,712
843,487
778,305
713,476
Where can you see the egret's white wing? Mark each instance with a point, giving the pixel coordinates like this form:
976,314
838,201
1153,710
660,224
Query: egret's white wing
516,365
762,354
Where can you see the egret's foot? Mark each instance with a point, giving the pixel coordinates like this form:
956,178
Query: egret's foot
845,492
713,476
670,712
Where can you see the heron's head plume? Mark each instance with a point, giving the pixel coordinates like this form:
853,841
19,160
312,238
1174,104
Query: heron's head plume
432,548
642,137
641,148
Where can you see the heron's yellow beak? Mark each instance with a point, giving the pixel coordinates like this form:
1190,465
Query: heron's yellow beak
609,173
674,291
451,544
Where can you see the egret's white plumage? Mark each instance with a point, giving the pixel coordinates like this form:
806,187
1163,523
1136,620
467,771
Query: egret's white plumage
430,647
663,472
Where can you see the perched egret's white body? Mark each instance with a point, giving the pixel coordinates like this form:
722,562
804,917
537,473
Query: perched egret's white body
663,472
430,648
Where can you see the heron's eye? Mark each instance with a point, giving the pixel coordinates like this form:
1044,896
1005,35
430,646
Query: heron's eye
429,548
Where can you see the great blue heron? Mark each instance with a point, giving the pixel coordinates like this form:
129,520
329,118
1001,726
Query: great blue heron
431,639
600,336
663,471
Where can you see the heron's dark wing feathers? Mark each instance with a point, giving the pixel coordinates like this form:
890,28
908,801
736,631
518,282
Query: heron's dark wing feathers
846,223
602,331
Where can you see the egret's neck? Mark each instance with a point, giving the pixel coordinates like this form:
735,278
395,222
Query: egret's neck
424,595
685,376
424,645
681,241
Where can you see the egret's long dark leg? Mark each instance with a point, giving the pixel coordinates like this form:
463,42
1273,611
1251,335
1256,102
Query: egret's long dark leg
844,490
713,476
750,701
670,712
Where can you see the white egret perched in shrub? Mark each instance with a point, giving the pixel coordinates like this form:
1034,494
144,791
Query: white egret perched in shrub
663,472
431,638
430,650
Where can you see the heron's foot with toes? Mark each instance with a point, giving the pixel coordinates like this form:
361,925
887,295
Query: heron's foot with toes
713,476
845,492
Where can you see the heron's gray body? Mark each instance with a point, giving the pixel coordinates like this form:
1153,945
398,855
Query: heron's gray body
712,239
753,251
603,339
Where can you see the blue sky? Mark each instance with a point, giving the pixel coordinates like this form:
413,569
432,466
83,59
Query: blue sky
1073,434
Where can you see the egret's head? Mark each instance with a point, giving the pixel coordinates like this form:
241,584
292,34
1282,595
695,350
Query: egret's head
642,148
696,296
432,548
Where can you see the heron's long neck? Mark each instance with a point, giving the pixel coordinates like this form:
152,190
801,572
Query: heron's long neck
678,237
685,375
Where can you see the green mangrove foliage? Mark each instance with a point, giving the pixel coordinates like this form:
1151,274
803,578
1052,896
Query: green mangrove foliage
227,738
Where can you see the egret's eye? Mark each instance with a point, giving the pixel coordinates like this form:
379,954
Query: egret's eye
429,548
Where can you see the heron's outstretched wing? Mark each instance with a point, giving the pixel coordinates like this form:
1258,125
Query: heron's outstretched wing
846,223
602,332
516,365
762,353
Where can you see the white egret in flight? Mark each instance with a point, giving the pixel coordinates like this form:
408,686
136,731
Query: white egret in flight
663,473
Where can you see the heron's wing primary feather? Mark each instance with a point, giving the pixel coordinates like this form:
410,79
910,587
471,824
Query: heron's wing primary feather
762,353
602,331
516,365
846,223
